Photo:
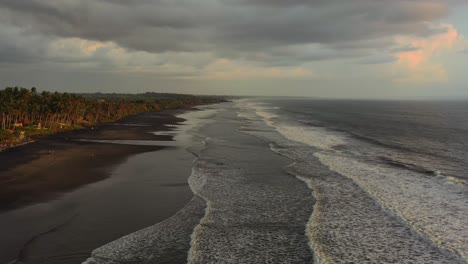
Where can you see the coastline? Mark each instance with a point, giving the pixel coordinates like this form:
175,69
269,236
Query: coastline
94,190
50,165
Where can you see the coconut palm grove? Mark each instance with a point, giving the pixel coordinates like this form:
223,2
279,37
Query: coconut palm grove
26,113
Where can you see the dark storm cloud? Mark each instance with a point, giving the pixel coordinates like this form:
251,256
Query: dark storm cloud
18,47
253,29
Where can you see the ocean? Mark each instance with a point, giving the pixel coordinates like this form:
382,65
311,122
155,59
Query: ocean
424,136
319,181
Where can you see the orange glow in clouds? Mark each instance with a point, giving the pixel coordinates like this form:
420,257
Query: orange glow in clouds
415,66
427,47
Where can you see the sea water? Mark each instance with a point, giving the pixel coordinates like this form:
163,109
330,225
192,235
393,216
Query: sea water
304,181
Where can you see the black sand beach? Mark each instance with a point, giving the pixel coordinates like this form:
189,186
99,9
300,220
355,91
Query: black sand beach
51,213
40,170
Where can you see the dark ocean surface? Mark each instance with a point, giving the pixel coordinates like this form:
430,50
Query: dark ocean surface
409,157
426,136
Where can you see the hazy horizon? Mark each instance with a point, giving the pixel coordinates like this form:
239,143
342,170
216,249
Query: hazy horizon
367,49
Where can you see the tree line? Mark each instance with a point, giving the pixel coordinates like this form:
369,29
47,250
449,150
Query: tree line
50,112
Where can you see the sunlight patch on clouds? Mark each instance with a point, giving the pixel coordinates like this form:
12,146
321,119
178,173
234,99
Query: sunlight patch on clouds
415,65
109,56
88,55
77,48
176,65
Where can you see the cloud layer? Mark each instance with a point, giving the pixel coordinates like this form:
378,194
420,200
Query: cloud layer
222,39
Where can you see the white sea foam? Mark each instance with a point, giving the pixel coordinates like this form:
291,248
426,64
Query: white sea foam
167,241
164,242
198,178
436,210
193,119
454,180
313,136
183,133
247,115
255,213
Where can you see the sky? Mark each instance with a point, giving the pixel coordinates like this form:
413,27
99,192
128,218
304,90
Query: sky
317,48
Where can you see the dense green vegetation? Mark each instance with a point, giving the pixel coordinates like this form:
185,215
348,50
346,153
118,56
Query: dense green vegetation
26,112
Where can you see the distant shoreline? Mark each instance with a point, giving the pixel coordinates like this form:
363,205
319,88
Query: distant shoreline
26,113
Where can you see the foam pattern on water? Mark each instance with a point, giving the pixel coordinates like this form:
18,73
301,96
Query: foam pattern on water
256,212
165,242
350,223
313,136
435,209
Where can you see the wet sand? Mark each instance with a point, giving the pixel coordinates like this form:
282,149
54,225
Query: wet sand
62,198
43,169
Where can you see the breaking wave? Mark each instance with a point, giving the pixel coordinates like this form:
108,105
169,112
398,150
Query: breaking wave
408,207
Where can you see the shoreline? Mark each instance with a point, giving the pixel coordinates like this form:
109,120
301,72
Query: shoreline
51,165
25,142
88,201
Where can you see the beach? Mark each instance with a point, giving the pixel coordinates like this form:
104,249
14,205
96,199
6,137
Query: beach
62,195
53,164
